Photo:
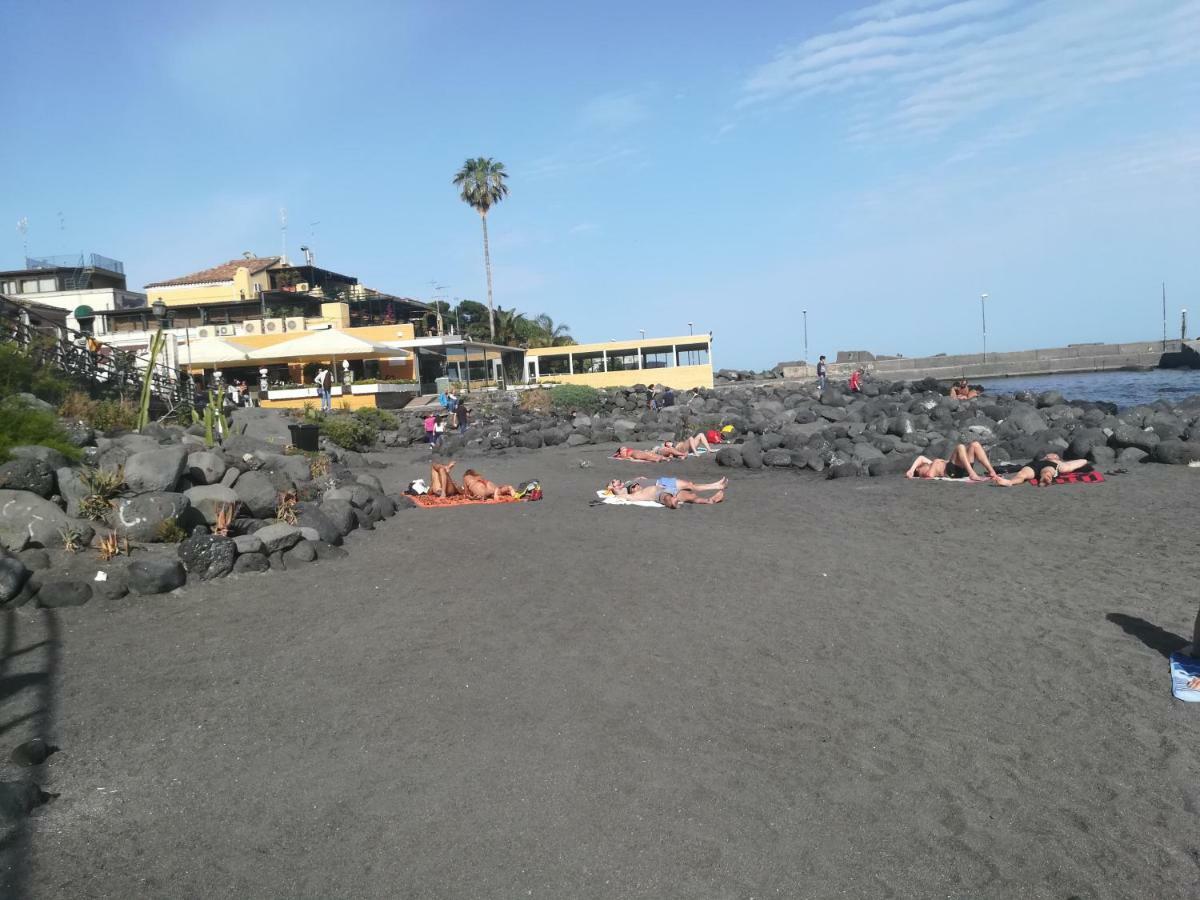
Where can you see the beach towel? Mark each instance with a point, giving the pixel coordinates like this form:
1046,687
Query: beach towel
1081,476
611,500
1184,669
429,501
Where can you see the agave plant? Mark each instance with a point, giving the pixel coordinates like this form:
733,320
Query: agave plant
226,513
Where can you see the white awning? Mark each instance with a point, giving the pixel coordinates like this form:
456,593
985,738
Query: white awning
210,351
323,345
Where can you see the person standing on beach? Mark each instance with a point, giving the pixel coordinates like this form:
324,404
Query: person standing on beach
430,430
324,382
821,371
460,416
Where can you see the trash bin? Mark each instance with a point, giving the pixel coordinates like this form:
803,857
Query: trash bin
304,437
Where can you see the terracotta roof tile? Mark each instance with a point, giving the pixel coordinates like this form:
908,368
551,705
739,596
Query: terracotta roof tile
223,272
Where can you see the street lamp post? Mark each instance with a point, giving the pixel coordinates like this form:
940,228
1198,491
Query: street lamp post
805,314
983,313
1183,325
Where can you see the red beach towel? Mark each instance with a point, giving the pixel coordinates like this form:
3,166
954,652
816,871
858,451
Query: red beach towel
1090,477
431,502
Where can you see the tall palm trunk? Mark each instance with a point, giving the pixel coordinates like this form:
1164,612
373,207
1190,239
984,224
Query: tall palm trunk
487,264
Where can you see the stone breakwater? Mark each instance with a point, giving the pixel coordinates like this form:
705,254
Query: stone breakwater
278,511
877,432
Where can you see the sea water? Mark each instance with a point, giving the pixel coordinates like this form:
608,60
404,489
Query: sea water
1122,388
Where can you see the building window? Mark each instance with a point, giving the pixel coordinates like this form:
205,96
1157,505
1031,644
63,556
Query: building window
553,365
586,363
658,359
29,286
47,284
622,362
8,287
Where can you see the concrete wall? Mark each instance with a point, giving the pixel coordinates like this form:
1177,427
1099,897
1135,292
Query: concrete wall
974,366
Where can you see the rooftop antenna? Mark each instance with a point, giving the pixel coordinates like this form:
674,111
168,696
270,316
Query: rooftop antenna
283,234
23,229
1164,284
439,294
62,221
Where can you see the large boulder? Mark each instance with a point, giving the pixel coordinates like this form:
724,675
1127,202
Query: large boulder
258,493
51,457
1027,420
155,575
1131,436
207,499
71,488
358,495
1176,453
208,556
26,518
205,467
309,515
28,474
278,537
155,470
251,562
777,457
13,575
340,513
63,592
141,518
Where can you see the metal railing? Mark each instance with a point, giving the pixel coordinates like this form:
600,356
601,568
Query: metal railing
99,368
71,261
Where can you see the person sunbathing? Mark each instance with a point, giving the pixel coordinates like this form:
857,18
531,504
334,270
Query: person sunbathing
641,455
963,391
441,484
477,487
683,449
1043,469
669,491
961,464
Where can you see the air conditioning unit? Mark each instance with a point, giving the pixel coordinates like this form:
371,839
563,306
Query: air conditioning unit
204,332
252,326
302,287
272,326
293,323
226,330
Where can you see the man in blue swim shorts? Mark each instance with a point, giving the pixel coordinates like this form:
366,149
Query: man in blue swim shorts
669,491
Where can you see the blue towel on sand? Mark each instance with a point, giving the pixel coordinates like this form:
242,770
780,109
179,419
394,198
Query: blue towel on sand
1183,670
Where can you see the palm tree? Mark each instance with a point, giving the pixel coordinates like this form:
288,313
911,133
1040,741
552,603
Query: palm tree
481,186
549,334
510,327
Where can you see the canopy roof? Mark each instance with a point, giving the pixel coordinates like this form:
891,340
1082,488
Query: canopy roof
320,345
211,351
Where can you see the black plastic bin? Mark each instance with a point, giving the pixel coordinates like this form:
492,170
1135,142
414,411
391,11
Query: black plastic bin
304,437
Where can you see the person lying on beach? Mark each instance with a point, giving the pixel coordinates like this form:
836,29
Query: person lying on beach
961,464
477,487
682,449
963,391
441,484
668,491
1043,469
640,455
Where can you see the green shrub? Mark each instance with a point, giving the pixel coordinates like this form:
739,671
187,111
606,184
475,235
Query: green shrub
575,396
348,432
379,419
19,374
20,425
102,415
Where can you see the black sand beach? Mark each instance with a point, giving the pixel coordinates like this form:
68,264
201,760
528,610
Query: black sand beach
859,688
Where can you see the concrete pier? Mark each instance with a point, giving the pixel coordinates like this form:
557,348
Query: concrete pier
1048,361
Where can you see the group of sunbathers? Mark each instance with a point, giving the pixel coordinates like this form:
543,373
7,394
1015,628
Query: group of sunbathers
962,391
474,485
667,450
1043,469
669,491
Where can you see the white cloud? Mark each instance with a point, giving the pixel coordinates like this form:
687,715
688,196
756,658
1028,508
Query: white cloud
920,67
613,112
582,228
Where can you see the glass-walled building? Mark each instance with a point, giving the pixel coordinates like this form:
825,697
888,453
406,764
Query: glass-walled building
678,362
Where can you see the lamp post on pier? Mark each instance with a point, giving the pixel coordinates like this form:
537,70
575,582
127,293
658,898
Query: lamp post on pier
983,313
804,312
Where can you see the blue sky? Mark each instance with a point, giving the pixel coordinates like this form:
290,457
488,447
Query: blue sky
880,165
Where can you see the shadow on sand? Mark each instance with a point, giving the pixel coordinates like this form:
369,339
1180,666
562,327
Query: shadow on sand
1157,639
27,704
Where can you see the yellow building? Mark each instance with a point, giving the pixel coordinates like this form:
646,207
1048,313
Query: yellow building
236,280
677,362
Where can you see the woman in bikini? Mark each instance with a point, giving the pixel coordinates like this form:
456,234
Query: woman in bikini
669,492
640,455
961,464
479,488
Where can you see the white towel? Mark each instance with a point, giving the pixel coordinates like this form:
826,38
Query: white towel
613,500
